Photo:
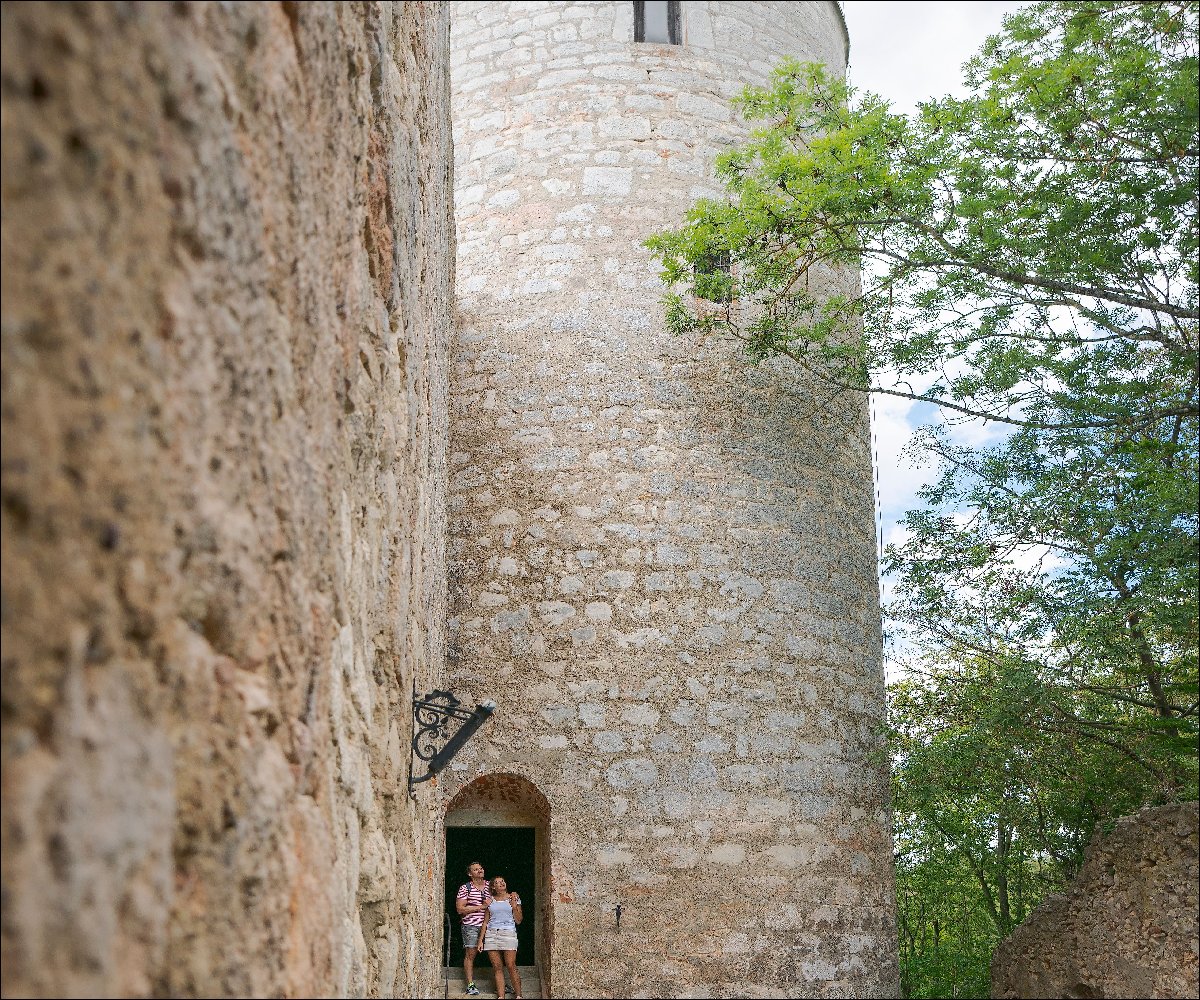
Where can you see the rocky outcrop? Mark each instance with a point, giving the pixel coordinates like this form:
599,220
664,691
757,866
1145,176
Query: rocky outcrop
227,281
1127,926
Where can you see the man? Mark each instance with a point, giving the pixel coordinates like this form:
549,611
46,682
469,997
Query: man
472,902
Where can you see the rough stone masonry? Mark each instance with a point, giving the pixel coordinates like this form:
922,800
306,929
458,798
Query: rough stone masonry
227,261
1128,924
227,268
662,562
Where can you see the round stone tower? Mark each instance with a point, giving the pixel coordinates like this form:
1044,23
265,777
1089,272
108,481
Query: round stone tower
662,560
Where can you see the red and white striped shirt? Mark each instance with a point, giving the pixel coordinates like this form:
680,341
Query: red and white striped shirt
473,897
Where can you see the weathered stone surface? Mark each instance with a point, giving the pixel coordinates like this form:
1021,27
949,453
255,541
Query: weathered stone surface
226,268
662,564
1127,927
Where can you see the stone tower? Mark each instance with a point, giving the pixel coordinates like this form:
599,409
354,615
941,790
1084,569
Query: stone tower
662,561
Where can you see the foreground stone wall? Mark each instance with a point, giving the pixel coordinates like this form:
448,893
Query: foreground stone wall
1127,926
662,563
226,271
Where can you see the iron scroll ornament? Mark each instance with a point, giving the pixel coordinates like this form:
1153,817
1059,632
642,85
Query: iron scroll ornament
432,740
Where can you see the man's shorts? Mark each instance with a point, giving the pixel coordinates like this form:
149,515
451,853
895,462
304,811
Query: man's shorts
470,935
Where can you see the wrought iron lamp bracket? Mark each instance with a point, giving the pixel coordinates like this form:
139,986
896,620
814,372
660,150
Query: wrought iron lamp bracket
433,741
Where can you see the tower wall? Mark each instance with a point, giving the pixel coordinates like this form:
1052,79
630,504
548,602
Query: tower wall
662,561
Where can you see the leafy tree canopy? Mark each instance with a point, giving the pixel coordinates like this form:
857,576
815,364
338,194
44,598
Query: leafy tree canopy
1029,259
1030,252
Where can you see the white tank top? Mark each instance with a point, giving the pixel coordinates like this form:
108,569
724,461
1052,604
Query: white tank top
500,915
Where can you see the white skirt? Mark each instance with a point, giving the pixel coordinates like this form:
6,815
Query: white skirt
500,939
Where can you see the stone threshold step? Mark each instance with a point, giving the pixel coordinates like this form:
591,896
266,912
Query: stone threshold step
531,982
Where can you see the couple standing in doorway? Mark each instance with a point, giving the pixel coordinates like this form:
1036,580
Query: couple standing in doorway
490,914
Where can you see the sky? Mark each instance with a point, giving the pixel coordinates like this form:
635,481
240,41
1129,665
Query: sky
906,53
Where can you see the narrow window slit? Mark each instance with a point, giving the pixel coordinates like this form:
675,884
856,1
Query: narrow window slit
713,277
657,21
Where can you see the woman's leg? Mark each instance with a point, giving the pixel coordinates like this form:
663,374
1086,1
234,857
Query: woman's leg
510,960
498,972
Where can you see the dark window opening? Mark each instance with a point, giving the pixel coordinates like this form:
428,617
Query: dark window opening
713,277
657,21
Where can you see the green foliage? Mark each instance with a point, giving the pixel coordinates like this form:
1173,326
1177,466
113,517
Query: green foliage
995,799
1030,251
1029,258
946,939
1074,566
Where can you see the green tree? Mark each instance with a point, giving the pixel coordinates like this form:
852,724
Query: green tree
994,804
1030,251
1029,258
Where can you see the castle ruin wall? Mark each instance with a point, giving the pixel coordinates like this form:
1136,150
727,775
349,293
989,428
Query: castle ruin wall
227,286
1127,926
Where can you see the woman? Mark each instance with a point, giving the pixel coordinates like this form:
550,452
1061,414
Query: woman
498,936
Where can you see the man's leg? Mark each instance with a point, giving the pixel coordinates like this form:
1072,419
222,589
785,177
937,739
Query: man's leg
469,964
470,950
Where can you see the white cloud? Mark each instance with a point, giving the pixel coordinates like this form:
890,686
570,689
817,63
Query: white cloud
899,479
977,434
910,52
898,534
1038,557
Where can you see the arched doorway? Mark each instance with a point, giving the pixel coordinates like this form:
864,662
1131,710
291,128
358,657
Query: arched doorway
503,821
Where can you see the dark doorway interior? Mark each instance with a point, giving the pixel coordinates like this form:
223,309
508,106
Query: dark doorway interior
507,851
